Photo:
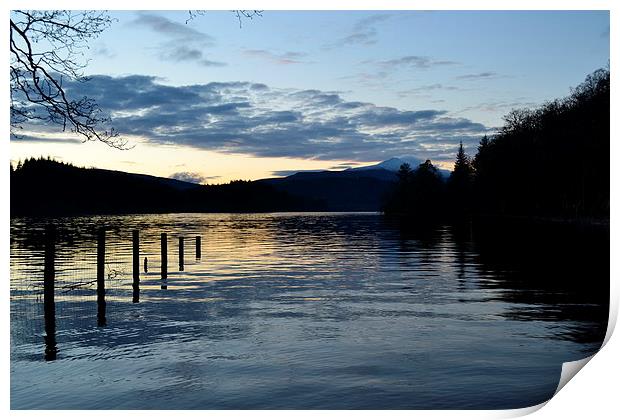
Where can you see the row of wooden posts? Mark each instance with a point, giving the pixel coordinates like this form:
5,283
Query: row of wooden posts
49,278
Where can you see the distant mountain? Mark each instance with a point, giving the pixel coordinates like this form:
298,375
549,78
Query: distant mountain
394,164
361,190
378,173
47,187
355,189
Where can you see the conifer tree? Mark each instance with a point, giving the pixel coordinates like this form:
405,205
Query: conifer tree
460,182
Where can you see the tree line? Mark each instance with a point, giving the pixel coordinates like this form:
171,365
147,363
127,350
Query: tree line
552,161
45,187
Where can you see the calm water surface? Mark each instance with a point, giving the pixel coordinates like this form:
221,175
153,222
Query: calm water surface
286,311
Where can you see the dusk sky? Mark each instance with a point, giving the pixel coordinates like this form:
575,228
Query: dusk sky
210,101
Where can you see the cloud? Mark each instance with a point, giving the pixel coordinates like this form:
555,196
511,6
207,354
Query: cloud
387,116
44,137
101,50
424,90
501,107
253,118
382,70
364,32
183,53
416,61
188,177
368,79
289,57
343,166
479,76
183,43
288,172
171,29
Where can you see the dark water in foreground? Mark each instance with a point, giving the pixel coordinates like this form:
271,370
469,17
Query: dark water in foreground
321,311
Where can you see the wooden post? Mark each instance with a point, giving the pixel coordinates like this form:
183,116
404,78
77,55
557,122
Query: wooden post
101,320
198,250
49,306
136,266
181,251
164,260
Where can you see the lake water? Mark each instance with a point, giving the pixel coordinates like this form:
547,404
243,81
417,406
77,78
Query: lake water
304,311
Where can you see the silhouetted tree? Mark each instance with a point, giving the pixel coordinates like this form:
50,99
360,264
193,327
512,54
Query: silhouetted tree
428,190
418,194
482,166
550,161
478,162
460,183
397,202
404,173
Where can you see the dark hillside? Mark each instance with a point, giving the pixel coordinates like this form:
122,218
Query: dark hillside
47,187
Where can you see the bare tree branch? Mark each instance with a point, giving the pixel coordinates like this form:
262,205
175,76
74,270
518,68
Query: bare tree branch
239,14
47,48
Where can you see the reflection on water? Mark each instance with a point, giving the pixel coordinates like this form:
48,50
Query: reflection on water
300,311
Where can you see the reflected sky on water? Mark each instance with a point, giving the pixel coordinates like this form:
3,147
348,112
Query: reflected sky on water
322,311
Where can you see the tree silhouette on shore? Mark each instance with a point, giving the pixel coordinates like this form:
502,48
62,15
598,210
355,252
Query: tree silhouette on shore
418,193
460,183
552,161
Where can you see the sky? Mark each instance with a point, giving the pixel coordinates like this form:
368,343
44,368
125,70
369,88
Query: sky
211,100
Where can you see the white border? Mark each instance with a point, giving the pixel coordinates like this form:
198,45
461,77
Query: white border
592,394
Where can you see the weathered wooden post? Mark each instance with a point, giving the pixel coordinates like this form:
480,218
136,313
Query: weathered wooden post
198,250
101,320
164,260
181,251
49,306
136,266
